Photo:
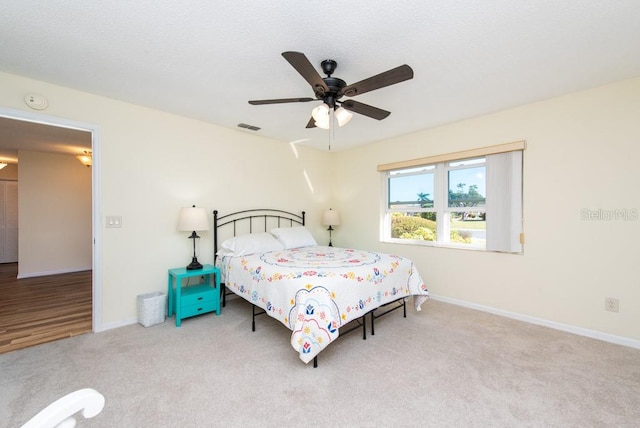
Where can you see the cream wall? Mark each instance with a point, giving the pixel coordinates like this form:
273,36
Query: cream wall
152,163
582,153
54,209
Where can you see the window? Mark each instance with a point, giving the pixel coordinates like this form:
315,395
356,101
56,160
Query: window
468,202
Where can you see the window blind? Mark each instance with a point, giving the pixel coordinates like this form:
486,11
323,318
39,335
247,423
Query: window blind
504,202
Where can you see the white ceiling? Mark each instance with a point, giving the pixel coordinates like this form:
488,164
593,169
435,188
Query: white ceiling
205,59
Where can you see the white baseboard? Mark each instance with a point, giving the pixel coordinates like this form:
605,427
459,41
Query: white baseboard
618,340
52,272
117,324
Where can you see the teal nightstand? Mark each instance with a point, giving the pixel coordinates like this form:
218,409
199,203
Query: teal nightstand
200,298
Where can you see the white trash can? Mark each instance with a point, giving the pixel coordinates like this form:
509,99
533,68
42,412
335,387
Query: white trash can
152,308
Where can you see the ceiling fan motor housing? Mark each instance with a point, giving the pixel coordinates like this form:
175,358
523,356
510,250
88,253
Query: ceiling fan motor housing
335,86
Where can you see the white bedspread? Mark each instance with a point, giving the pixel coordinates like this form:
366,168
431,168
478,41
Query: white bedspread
316,290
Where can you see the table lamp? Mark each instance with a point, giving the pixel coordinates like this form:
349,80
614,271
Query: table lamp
193,219
330,218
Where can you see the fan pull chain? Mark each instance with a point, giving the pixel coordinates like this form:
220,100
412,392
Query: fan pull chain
332,128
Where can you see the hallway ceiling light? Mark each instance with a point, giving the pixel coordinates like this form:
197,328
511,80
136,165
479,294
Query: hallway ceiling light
85,158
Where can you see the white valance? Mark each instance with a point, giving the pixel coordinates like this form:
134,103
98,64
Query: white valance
466,154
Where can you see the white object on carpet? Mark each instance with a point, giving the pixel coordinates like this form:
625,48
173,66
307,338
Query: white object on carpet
59,414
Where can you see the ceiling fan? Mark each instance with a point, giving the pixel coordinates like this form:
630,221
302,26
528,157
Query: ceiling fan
331,89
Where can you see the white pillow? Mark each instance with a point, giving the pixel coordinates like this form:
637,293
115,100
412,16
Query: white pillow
244,245
294,237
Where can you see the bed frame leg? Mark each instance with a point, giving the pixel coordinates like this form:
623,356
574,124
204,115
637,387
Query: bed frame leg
373,319
224,295
404,307
253,317
364,327
315,362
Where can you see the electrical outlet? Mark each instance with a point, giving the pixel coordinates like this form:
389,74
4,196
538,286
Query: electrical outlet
611,304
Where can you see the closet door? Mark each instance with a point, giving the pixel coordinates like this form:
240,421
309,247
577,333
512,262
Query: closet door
8,221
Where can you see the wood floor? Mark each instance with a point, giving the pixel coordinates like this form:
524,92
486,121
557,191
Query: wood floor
42,309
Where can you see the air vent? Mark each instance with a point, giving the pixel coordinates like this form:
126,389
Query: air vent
250,127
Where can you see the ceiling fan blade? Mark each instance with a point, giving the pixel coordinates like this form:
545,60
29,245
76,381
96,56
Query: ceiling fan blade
389,77
302,65
365,109
311,124
281,100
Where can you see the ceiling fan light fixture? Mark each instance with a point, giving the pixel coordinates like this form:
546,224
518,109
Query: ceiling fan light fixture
343,116
323,124
321,112
321,116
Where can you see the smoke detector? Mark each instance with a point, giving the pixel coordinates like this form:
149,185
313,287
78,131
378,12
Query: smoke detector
36,102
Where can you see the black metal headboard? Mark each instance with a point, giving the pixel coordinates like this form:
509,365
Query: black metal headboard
261,218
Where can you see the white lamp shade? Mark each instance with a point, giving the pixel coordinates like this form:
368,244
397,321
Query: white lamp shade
192,219
321,116
343,116
331,218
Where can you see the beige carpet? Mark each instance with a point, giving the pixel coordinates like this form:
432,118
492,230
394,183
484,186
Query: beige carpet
443,367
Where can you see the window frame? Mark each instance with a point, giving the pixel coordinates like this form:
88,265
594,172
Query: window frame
441,206
441,164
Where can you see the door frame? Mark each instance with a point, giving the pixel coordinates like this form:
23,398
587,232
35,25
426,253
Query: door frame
14,257
96,198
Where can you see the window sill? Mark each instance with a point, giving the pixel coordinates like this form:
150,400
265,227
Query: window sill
432,244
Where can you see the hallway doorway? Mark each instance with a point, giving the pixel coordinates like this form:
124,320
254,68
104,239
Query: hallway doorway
85,283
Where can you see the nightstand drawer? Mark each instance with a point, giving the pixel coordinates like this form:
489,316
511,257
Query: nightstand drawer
199,308
197,294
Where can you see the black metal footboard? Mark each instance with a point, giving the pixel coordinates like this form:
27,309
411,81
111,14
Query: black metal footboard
396,304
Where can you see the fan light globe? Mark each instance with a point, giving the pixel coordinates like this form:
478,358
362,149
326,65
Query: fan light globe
321,116
343,116
323,124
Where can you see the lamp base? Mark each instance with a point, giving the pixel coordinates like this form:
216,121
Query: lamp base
194,265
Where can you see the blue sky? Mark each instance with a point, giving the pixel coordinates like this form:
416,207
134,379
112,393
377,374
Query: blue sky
468,176
407,188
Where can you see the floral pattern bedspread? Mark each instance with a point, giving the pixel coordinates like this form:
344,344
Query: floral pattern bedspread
316,290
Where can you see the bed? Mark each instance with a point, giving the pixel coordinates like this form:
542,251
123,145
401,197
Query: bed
318,292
